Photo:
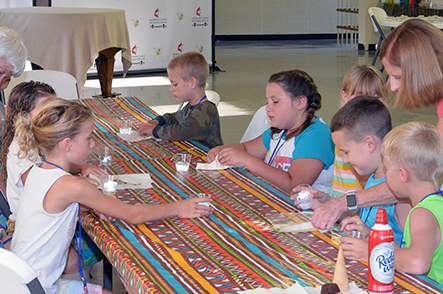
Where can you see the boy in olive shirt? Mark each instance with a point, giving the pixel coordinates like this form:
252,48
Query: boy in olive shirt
198,119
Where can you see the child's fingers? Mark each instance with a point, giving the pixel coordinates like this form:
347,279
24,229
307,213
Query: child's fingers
349,221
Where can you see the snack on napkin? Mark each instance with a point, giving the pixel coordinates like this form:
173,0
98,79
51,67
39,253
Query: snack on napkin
133,137
134,181
212,166
341,273
292,222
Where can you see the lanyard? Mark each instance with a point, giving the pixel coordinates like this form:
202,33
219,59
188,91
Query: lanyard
277,148
438,192
54,165
204,97
77,239
367,216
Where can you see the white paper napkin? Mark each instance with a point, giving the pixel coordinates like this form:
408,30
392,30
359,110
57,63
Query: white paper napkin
212,166
133,137
297,289
130,181
134,181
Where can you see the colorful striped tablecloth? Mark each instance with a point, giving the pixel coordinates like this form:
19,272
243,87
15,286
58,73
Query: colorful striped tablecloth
236,248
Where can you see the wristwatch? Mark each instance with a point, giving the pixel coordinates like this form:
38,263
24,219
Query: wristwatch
351,200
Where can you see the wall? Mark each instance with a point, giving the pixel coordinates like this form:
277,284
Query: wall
251,17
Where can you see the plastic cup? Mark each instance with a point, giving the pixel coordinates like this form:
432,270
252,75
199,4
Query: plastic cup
303,196
109,183
203,195
357,235
182,162
125,127
105,156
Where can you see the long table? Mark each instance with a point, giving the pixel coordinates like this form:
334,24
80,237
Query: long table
235,248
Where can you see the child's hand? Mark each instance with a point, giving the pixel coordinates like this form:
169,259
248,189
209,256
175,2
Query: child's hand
354,223
355,249
146,127
190,208
213,153
233,157
88,169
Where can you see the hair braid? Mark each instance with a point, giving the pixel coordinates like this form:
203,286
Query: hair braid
298,83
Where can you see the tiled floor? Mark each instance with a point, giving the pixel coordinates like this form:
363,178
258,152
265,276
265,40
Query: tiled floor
246,67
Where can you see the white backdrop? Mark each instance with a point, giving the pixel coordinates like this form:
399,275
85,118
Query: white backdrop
159,30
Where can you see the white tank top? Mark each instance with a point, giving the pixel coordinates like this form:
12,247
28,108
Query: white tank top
16,168
40,238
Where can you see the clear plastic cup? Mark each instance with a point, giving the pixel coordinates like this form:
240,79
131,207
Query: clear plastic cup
203,195
357,235
303,196
182,162
109,183
104,155
125,127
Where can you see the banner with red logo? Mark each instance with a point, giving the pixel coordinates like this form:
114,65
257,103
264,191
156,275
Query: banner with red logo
159,30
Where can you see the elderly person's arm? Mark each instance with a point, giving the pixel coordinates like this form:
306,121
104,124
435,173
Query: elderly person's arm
329,212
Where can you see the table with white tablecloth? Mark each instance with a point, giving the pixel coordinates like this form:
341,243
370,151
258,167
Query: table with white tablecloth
70,39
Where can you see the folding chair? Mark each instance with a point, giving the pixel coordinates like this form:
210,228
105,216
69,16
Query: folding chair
17,276
64,84
259,123
377,14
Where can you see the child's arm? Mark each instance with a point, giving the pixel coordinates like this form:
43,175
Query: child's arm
425,238
88,169
146,127
68,190
187,125
402,210
301,171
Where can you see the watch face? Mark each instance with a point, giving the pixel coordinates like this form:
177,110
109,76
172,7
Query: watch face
351,200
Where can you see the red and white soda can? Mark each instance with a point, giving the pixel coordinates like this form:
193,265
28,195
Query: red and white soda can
381,255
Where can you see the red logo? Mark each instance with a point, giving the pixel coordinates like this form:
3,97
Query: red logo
156,12
134,49
179,47
198,11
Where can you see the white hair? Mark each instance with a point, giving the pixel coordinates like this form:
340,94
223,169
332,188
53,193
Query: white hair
12,50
